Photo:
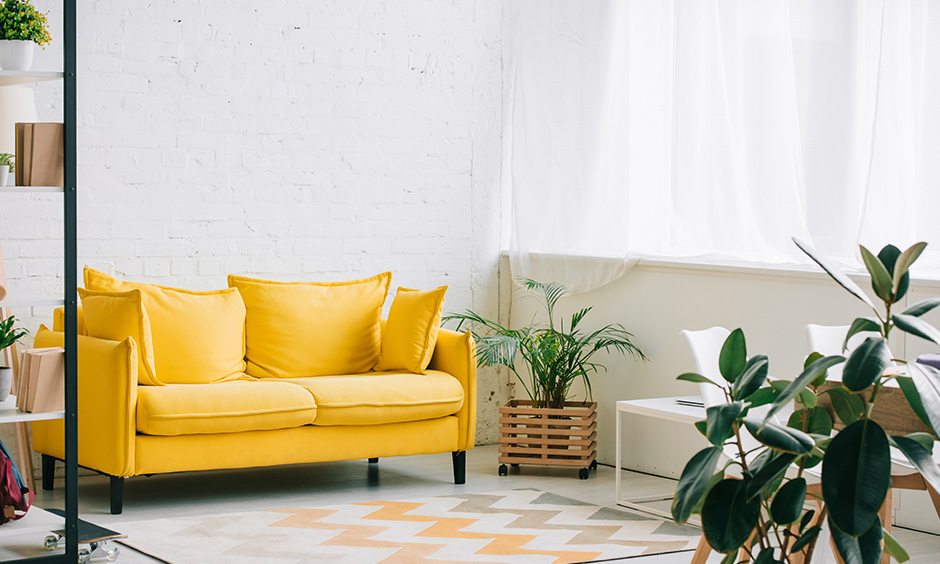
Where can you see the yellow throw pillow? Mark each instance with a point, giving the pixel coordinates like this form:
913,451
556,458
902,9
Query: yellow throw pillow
298,329
116,316
411,330
198,337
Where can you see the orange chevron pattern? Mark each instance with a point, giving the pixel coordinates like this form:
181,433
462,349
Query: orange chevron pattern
503,527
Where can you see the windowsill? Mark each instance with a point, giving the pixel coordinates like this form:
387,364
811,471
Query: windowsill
809,271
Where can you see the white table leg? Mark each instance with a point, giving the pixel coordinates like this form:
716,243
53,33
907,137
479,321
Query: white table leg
617,466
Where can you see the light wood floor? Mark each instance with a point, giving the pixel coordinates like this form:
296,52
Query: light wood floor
205,493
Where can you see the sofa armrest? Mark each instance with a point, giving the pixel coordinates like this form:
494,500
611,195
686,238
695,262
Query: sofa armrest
107,405
455,354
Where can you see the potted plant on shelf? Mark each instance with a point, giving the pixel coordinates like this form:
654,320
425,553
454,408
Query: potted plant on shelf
22,27
758,514
7,167
8,336
547,358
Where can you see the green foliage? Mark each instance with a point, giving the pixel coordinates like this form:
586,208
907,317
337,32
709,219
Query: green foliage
7,159
10,334
19,19
552,357
768,498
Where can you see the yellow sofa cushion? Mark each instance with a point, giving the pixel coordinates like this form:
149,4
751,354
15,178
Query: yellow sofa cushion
378,398
228,407
198,337
411,330
300,329
116,316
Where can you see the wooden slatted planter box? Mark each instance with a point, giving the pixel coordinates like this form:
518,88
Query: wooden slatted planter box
548,437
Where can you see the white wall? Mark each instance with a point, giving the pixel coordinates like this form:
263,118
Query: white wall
291,139
655,302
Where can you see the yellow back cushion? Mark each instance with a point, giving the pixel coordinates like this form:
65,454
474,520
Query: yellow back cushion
116,316
198,337
298,329
411,330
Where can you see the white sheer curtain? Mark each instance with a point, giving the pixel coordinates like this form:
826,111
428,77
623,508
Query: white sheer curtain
716,130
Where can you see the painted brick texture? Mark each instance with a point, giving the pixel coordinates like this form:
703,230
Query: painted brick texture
290,139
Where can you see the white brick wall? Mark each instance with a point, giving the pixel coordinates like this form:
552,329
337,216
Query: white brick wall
290,139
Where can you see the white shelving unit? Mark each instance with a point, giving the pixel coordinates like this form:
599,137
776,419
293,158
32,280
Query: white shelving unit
13,78
31,189
9,414
31,300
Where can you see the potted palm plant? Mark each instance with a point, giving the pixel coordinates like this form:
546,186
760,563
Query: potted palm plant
752,506
547,358
8,336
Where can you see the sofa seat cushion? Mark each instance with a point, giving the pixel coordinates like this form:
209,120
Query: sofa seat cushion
377,398
227,407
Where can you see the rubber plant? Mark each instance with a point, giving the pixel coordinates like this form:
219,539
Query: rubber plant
756,514
547,358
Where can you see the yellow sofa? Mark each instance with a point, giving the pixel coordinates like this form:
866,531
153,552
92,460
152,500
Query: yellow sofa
129,426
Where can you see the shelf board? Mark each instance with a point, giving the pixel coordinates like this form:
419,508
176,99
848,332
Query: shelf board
9,413
34,189
31,300
12,78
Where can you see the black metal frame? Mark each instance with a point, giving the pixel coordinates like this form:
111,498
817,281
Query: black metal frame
71,297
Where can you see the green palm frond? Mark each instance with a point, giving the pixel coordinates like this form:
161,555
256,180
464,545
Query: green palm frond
8,334
551,292
546,360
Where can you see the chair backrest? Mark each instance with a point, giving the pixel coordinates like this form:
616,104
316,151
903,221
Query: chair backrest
706,348
827,340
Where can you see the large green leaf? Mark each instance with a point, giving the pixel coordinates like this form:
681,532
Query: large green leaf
833,272
865,549
753,377
920,458
728,517
808,398
913,398
694,482
861,324
787,506
903,263
762,396
849,407
779,437
805,539
922,307
880,279
927,381
766,556
820,422
866,364
765,469
733,356
803,380
916,326
696,378
893,548
888,257
721,420
856,476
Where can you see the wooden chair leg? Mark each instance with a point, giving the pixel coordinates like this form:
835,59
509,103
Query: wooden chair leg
934,498
887,514
701,551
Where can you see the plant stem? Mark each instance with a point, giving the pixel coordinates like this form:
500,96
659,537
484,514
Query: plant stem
740,445
812,544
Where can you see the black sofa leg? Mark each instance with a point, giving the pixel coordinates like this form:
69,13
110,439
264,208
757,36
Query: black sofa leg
117,495
48,472
460,466
373,461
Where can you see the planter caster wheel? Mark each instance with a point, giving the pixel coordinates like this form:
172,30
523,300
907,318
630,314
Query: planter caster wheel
593,465
503,470
583,473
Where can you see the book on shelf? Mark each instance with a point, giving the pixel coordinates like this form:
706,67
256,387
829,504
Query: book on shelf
40,154
41,382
